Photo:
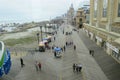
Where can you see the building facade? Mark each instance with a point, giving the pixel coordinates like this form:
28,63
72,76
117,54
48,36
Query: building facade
104,26
80,18
70,15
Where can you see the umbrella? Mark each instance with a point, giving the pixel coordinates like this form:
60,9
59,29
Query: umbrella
57,49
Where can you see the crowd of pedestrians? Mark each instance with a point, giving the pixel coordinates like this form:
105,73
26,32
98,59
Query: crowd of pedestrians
91,52
77,67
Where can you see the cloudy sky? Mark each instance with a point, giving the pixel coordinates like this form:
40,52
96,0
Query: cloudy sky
35,10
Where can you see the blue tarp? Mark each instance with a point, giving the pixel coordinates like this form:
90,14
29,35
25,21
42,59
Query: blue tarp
7,64
1,72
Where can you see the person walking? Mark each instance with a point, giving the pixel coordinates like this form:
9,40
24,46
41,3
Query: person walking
74,67
61,49
54,38
21,61
80,67
64,48
90,51
74,47
77,68
66,43
36,65
55,53
39,65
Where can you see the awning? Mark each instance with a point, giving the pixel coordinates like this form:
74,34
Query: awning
49,36
45,41
41,44
57,49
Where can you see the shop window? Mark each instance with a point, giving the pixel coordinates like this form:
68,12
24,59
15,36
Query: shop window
118,8
105,4
116,55
95,8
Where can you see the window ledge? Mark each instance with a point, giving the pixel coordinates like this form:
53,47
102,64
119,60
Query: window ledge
95,19
117,19
104,19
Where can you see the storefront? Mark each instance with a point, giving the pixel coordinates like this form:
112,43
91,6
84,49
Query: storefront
98,40
91,35
87,32
116,51
109,48
113,50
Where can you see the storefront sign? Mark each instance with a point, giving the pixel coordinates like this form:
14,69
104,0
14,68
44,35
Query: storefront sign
98,38
86,31
112,47
91,34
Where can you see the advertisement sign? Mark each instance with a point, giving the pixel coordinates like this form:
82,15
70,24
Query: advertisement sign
112,47
99,39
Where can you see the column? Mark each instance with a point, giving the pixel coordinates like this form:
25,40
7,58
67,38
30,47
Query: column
91,11
98,12
110,14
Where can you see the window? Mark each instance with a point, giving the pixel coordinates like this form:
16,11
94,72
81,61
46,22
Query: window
105,4
118,8
95,8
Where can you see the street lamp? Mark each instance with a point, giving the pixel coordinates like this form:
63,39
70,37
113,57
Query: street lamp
41,32
45,30
38,37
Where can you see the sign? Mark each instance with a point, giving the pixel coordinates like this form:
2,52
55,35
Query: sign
98,38
112,47
91,34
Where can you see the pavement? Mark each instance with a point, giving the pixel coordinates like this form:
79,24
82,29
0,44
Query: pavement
110,67
59,68
91,70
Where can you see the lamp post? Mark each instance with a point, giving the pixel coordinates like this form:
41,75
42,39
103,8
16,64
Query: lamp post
38,37
45,30
41,32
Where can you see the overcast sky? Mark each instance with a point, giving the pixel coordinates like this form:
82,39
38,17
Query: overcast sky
35,9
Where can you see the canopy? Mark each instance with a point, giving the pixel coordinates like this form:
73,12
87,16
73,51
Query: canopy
41,44
44,41
57,49
45,38
49,36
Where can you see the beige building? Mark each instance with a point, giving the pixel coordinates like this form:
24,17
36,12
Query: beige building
104,27
70,15
80,18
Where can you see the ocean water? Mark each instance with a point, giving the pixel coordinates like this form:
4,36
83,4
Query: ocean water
15,21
